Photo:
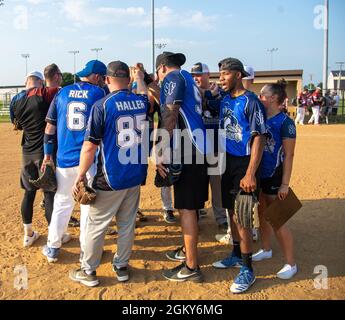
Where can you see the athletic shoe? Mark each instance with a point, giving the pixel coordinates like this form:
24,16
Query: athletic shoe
182,274
66,238
202,213
122,274
262,255
243,281
51,254
82,277
287,272
73,223
177,255
29,241
141,217
255,235
224,238
223,227
169,217
230,262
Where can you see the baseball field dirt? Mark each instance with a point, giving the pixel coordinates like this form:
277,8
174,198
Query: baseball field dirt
319,231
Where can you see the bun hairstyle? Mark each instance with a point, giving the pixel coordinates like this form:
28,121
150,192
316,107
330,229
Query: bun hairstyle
278,89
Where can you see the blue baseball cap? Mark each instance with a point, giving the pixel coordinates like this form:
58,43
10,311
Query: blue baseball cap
93,66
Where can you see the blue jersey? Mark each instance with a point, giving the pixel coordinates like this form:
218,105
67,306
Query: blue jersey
279,127
241,118
116,124
69,112
179,87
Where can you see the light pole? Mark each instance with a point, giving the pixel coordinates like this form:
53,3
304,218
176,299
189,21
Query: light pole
74,52
153,35
325,48
340,72
271,51
97,50
26,56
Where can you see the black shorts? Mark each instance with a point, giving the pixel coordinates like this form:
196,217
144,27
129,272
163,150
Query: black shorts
236,169
271,186
30,170
191,190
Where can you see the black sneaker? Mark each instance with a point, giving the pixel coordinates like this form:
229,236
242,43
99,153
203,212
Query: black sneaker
223,228
73,223
202,213
182,274
169,217
82,277
122,274
177,255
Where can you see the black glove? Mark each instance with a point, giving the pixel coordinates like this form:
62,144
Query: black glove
173,175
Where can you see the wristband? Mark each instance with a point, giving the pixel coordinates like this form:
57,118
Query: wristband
48,145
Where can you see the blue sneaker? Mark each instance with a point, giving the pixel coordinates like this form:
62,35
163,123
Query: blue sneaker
51,254
243,281
230,262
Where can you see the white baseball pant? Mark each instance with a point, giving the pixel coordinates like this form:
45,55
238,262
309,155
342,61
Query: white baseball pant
316,115
64,205
300,116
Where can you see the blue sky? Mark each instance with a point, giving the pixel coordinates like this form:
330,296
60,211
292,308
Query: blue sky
205,30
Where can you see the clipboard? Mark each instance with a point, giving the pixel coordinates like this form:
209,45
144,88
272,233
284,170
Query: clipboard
280,212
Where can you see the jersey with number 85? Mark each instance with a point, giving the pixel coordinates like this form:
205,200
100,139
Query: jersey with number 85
69,112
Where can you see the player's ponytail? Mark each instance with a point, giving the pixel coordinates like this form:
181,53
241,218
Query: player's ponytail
278,89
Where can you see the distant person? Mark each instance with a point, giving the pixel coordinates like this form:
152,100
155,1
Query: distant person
249,81
28,110
335,107
326,107
303,101
316,99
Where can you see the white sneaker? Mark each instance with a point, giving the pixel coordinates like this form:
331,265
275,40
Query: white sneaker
224,238
29,241
66,238
262,255
287,272
255,235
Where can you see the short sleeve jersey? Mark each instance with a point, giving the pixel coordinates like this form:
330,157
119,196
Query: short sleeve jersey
241,118
179,87
117,125
69,112
279,127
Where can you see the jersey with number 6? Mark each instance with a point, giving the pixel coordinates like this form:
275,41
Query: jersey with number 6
69,112
117,124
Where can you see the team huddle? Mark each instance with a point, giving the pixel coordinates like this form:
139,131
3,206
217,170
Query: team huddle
100,132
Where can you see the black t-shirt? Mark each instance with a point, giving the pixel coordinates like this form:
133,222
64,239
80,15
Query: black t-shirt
29,108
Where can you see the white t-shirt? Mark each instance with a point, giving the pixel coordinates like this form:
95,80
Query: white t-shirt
336,99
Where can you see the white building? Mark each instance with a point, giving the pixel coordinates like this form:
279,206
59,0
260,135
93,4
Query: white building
333,80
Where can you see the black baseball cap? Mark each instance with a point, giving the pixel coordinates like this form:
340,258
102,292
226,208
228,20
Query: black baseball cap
233,64
176,58
118,69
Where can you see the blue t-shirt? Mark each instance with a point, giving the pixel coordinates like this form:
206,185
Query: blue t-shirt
116,124
69,112
241,118
279,127
179,87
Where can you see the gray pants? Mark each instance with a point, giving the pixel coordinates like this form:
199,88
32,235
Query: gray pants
218,211
124,206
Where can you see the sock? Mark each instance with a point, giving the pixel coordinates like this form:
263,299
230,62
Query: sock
237,249
192,270
28,229
247,260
